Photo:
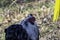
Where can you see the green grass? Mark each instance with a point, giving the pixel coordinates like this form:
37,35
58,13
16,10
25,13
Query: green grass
1,19
1,10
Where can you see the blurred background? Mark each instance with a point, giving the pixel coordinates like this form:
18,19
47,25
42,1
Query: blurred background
13,11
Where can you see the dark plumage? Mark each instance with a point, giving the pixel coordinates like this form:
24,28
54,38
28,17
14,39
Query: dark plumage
16,32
